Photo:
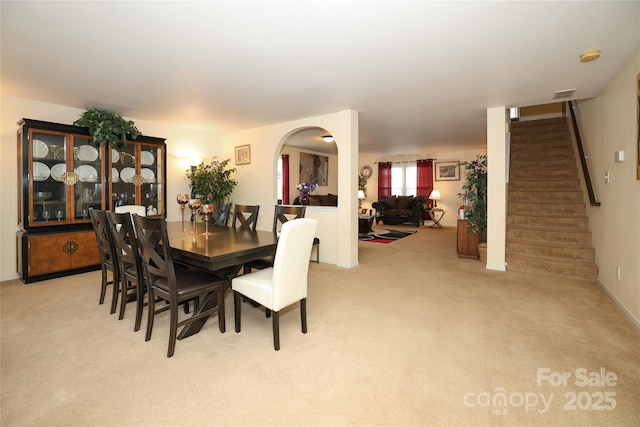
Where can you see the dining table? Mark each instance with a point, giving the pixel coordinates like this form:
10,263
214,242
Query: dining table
223,250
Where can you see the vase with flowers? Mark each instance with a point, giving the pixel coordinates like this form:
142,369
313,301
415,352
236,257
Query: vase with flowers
304,188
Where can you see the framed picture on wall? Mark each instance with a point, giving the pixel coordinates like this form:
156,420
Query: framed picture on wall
243,154
313,166
448,171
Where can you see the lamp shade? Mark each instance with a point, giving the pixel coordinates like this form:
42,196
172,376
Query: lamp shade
361,195
328,138
435,196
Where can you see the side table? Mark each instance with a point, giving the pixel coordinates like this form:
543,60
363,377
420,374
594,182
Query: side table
364,224
436,216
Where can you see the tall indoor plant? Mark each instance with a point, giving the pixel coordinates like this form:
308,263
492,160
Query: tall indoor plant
475,195
212,183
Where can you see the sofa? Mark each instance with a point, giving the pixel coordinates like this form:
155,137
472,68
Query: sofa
400,210
320,200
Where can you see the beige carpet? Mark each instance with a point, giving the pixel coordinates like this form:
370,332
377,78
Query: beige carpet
413,336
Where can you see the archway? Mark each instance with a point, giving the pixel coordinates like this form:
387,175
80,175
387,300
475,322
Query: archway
309,158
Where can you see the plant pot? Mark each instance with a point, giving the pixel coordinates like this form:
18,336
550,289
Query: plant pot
482,251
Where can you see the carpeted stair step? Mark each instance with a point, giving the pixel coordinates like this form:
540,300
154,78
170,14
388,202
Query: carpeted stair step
545,196
542,155
544,185
553,209
557,122
553,266
550,236
557,250
548,222
528,146
544,139
544,165
543,174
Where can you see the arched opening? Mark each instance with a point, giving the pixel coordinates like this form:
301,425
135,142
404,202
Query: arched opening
309,159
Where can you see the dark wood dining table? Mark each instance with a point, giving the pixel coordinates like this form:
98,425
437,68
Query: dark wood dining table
224,251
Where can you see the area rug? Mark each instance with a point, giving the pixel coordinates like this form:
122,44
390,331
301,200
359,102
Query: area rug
384,236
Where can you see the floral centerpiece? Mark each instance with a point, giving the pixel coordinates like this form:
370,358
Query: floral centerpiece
304,189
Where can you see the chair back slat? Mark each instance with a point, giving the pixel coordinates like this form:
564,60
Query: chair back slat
126,245
103,237
154,249
291,264
246,216
283,214
220,214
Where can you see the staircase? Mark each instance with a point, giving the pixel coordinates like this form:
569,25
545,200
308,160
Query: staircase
547,227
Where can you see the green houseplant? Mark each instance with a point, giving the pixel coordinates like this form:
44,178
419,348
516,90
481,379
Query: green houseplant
475,195
107,128
212,183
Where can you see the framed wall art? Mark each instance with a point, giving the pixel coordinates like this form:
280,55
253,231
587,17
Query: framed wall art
243,154
448,171
313,166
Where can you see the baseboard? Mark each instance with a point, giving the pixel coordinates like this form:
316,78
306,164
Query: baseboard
11,277
635,322
496,267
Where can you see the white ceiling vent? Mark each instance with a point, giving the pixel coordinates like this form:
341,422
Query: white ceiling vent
561,94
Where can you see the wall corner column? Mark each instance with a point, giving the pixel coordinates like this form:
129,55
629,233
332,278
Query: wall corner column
496,188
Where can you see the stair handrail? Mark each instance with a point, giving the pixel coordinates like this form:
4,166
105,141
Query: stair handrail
583,158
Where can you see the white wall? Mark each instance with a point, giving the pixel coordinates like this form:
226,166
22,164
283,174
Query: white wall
609,123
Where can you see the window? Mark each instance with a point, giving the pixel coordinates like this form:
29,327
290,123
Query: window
404,178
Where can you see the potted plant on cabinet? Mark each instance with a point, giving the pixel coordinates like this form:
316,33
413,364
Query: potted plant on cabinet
212,183
107,128
475,196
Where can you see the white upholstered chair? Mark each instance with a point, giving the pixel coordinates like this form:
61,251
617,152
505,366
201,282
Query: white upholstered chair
132,209
286,282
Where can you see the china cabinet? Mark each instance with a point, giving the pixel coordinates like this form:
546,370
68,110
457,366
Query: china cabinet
63,174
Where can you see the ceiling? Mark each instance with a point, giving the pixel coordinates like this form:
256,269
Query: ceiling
420,74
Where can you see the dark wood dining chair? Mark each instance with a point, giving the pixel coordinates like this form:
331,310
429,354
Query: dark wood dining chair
281,214
283,284
220,214
130,264
245,217
108,261
175,288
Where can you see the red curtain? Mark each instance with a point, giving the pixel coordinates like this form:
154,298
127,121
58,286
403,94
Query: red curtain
285,179
425,179
384,179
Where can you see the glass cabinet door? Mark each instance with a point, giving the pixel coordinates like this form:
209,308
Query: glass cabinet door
48,192
87,165
152,172
122,170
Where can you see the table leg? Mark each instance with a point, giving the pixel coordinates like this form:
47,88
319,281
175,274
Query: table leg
436,220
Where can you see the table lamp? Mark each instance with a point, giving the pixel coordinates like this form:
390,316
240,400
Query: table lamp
435,196
361,197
